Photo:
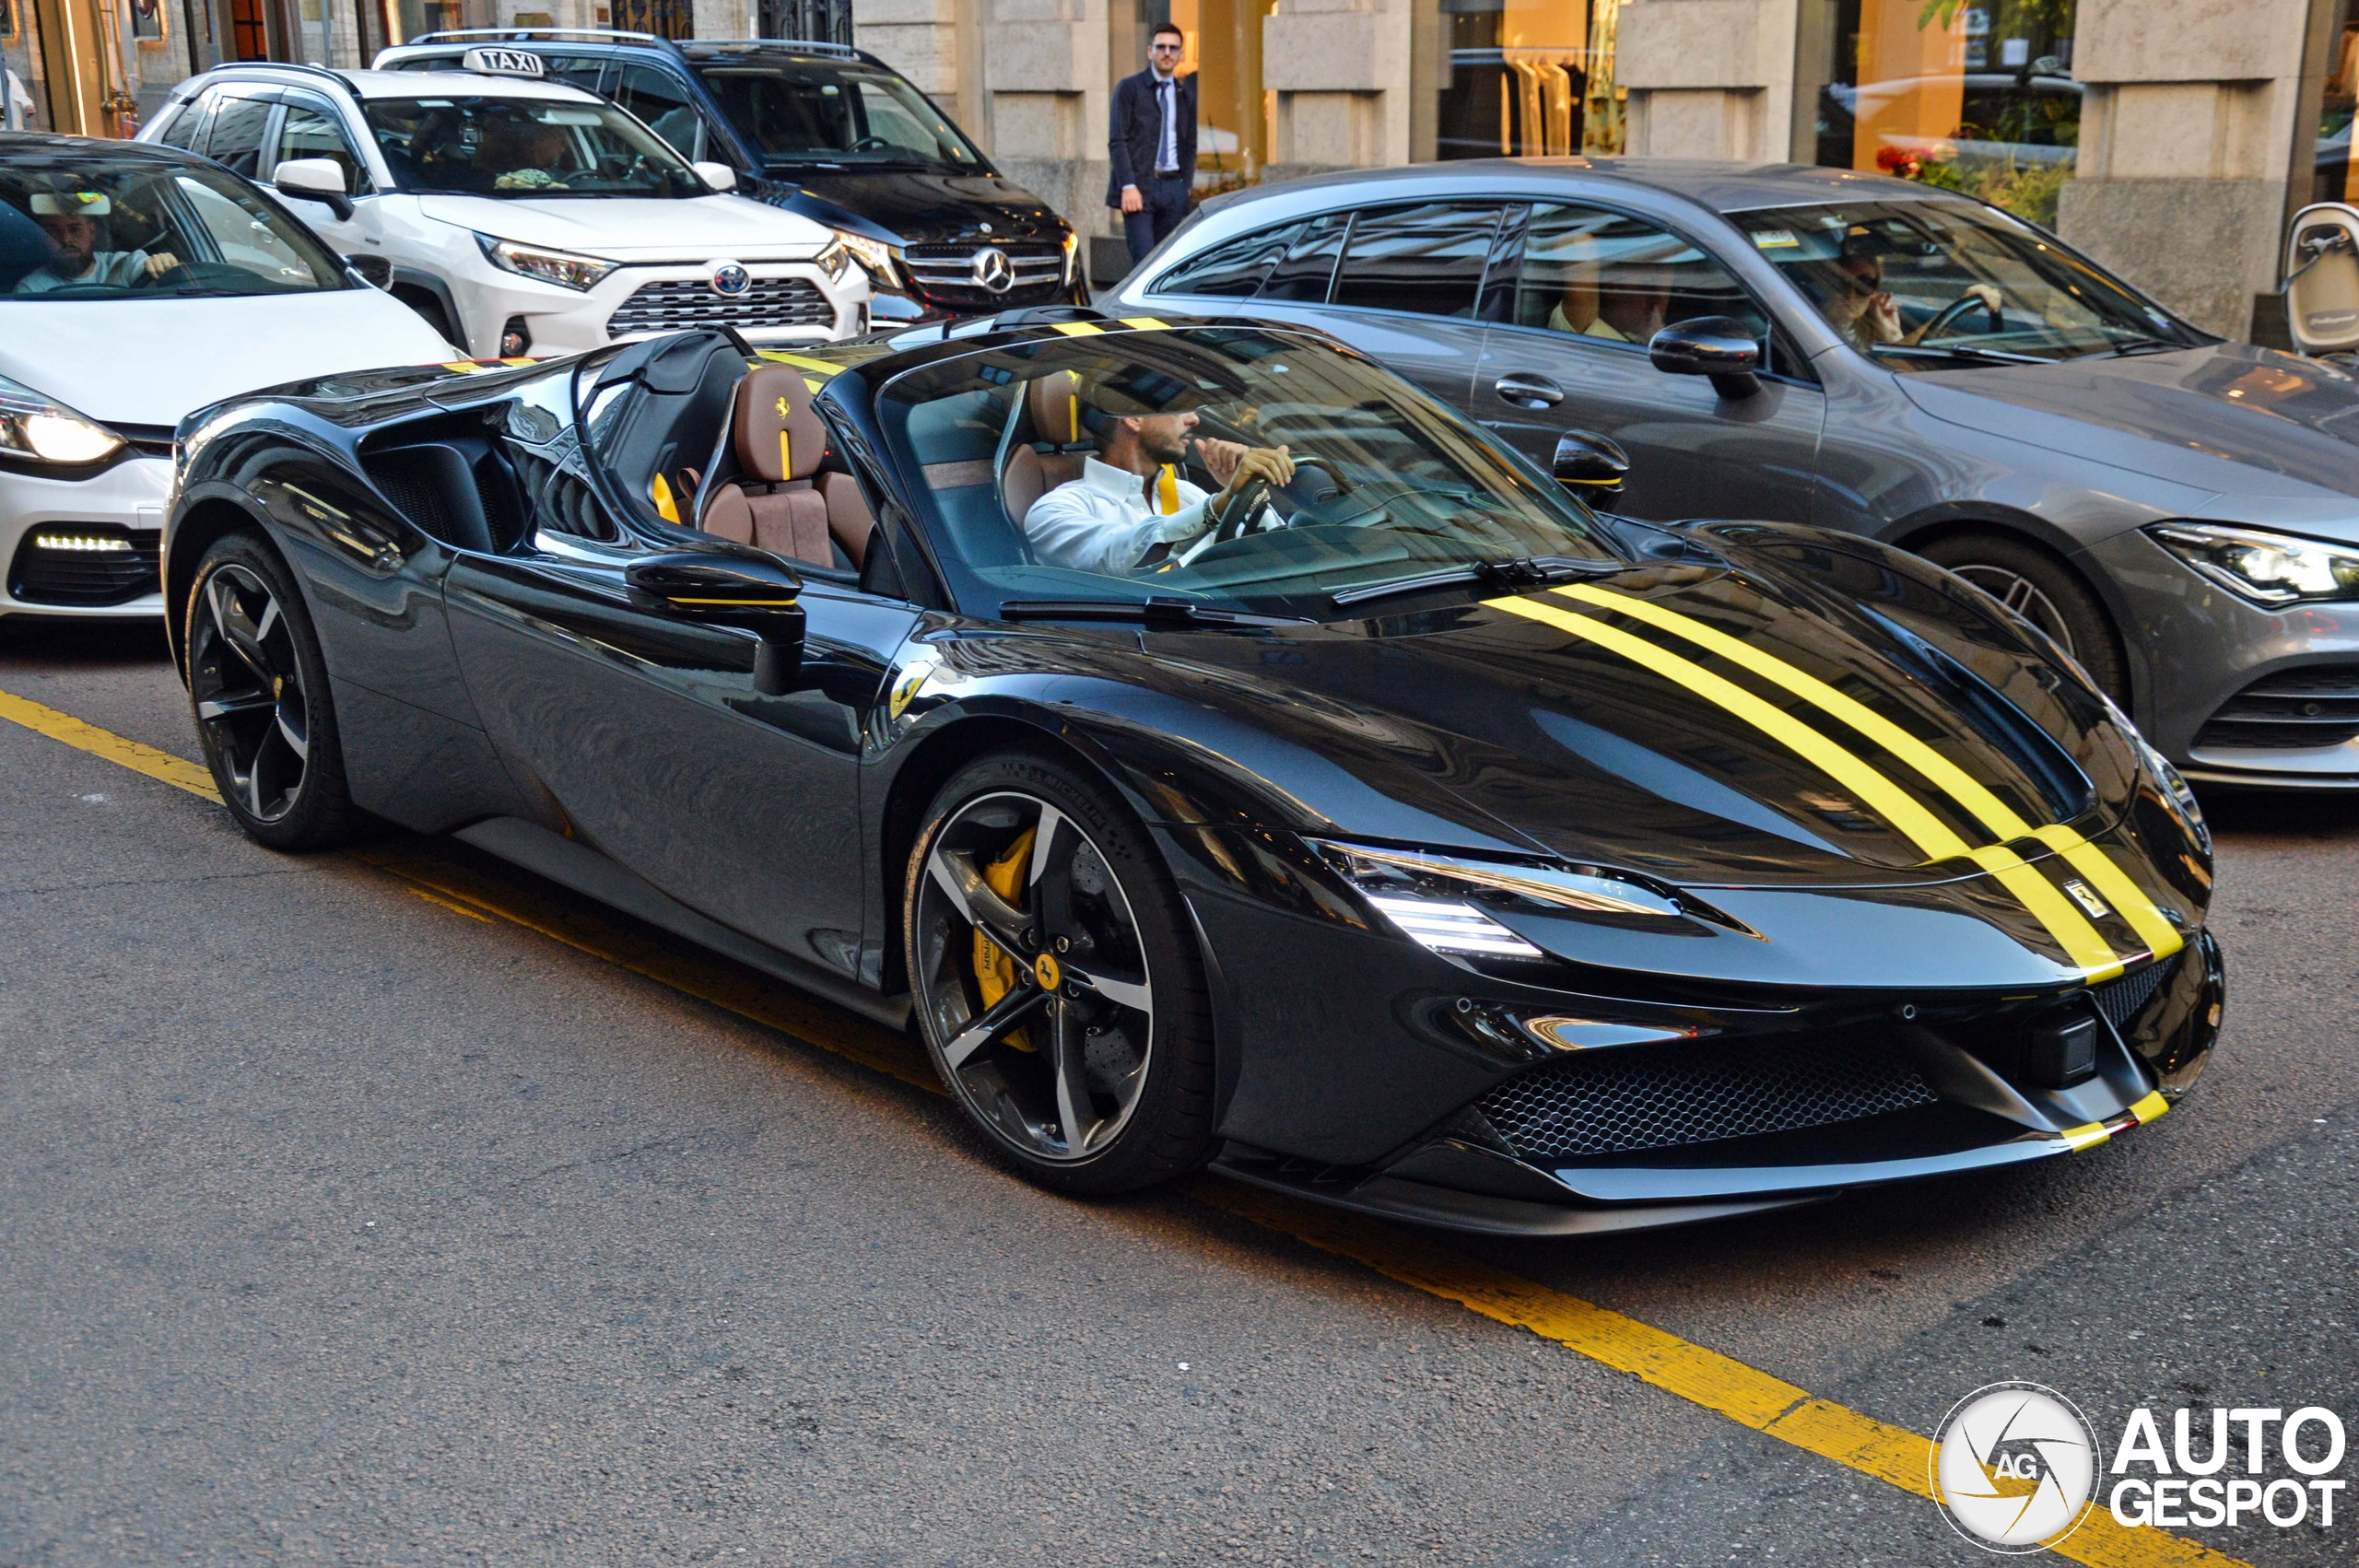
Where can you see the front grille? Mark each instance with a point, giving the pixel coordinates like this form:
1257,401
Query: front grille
85,565
148,440
2123,1000
2316,705
1615,1101
945,273
677,303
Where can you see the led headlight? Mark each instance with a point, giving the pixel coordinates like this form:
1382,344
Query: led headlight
1443,902
2175,784
45,430
560,267
880,259
2266,568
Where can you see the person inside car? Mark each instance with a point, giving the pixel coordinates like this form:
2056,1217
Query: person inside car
1130,507
523,154
1852,292
70,219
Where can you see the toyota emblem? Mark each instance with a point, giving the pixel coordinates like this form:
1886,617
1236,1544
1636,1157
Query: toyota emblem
729,280
993,270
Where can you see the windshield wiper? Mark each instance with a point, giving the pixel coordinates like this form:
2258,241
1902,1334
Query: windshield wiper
1960,351
2142,344
1514,575
1155,610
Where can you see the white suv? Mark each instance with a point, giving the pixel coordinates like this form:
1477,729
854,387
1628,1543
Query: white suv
518,216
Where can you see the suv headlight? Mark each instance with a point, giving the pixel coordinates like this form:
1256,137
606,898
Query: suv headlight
560,267
2266,568
1440,901
881,260
45,430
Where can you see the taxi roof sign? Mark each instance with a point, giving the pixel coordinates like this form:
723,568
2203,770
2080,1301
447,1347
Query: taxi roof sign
504,62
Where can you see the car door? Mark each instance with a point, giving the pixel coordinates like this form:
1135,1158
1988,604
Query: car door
1591,287
642,732
241,128
664,101
310,127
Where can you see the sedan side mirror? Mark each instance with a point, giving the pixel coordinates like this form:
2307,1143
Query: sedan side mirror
736,588
1719,346
314,180
1593,465
720,176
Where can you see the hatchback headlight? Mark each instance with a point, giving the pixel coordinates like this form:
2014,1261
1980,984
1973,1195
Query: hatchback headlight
2266,568
1443,902
881,260
560,267
45,430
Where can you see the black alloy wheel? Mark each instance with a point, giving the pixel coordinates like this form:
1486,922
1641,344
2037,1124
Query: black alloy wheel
2043,590
1057,991
259,687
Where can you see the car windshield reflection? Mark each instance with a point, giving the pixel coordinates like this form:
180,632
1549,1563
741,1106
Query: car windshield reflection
1234,470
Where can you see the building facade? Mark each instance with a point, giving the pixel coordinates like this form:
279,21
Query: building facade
2171,138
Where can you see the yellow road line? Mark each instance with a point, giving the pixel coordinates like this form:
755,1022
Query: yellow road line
1933,837
2112,882
1701,1375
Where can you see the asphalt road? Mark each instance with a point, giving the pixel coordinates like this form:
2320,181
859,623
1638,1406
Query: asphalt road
340,1225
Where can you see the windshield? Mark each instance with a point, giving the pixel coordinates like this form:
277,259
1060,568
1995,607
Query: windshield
83,226
525,146
816,111
1928,285
1088,469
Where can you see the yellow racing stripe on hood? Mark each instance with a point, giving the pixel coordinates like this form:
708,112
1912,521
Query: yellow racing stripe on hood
1933,837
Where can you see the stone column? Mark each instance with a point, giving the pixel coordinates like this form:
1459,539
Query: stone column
1707,78
1341,71
2188,132
1044,64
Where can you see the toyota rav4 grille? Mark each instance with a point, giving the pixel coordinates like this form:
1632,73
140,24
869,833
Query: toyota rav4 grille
1614,1102
677,303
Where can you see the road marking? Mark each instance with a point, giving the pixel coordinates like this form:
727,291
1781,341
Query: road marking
1702,1376
1871,785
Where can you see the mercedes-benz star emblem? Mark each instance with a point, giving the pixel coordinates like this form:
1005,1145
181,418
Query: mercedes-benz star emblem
993,270
729,280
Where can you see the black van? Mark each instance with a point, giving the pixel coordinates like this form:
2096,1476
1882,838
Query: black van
834,134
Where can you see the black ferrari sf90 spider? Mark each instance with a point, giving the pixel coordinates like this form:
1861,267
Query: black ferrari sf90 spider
1367,817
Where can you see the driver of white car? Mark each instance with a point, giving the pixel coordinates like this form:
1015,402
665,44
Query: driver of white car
1130,509
70,219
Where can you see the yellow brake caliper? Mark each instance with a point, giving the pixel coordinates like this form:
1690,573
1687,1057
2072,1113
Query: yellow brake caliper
994,970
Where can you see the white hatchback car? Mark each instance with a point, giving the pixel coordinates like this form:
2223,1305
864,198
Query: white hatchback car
519,216
137,285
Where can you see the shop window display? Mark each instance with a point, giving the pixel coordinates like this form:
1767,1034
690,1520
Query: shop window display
2331,181
1975,98
1528,78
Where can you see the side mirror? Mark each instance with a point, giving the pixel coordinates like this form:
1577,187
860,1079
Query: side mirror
314,180
1719,346
720,176
738,589
1595,465
374,270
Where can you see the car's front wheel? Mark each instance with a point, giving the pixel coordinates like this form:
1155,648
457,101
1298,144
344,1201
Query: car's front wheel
1054,980
2043,590
259,686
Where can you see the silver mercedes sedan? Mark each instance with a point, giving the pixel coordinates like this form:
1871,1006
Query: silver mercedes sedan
1870,356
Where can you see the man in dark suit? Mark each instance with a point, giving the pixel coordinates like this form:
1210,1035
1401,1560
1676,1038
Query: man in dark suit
1152,145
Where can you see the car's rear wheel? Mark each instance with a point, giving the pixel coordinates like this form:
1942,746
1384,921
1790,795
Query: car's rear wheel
1055,982
2043,590
259,686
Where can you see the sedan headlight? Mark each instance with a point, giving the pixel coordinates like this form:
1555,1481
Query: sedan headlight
2266,568
2175,784
1442,901
881,260
560,267
45,430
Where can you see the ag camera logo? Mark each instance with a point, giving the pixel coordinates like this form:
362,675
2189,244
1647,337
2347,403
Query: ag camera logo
2015,1467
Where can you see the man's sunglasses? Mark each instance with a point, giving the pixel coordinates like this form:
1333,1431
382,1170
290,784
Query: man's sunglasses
1169,48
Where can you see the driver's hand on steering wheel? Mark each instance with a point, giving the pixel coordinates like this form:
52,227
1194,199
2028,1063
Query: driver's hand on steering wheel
1992,300
159,263
1272,465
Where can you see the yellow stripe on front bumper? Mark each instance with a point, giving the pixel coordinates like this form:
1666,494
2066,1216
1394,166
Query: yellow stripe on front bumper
2150,1108
2088,1135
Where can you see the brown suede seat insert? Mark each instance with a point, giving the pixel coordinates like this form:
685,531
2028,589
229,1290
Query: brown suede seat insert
780,501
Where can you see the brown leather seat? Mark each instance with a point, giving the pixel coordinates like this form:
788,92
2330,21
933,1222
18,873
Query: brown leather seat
780,501
1053,403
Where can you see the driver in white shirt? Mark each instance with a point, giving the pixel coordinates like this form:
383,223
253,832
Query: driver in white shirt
1130,507
70,219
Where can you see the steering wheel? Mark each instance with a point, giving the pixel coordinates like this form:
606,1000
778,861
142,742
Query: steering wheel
1318,464
869,144
1229,519
1957,307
